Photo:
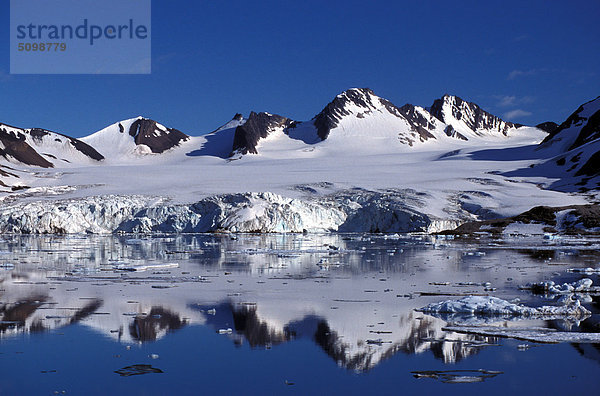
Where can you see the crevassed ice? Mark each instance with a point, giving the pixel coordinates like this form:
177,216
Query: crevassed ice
243,212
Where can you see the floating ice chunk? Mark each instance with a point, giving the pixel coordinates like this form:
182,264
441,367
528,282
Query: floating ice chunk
139,268
533,334
549,287
490,306
457,376
551,237
478,305
587,271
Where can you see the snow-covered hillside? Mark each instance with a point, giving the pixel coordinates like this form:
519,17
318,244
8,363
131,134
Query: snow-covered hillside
134,137
571,152
361,164
42,148
581,127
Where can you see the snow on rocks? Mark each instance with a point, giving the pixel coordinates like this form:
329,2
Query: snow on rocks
493,306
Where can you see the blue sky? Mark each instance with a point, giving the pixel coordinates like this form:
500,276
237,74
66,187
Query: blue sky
527,61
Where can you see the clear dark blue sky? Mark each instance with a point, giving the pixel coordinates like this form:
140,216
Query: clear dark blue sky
528,61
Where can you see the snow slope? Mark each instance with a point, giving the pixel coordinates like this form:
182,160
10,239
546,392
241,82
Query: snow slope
133,138
39,147
571,153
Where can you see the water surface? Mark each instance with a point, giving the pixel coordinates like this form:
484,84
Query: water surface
279,313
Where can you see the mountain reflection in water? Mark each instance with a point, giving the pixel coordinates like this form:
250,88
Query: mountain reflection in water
353,296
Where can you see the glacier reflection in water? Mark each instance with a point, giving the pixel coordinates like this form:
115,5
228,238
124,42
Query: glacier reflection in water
351,298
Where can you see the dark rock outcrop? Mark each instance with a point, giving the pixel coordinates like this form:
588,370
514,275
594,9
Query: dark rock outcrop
258,126
580,219
591,167
419,123
547,126
148,133
16,147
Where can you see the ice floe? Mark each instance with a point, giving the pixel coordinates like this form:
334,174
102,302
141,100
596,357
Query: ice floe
533,334
494,306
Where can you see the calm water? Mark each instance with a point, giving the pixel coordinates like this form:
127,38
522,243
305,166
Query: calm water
275,314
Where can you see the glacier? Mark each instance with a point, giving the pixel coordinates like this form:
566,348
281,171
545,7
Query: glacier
241,212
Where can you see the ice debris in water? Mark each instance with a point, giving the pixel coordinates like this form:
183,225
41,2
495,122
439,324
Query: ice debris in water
533,334
137,369
551,237
587,271
549,287
457,376
480,305
140,268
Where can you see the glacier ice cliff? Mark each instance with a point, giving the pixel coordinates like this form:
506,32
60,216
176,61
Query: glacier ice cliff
243,212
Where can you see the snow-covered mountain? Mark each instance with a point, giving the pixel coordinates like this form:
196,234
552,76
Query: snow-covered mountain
570,154
466,120
350,118
359,111
42,148
135,136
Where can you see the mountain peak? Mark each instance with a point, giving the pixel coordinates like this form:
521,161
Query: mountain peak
355,92
140,134
467,118
356,101
585,122
154,135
